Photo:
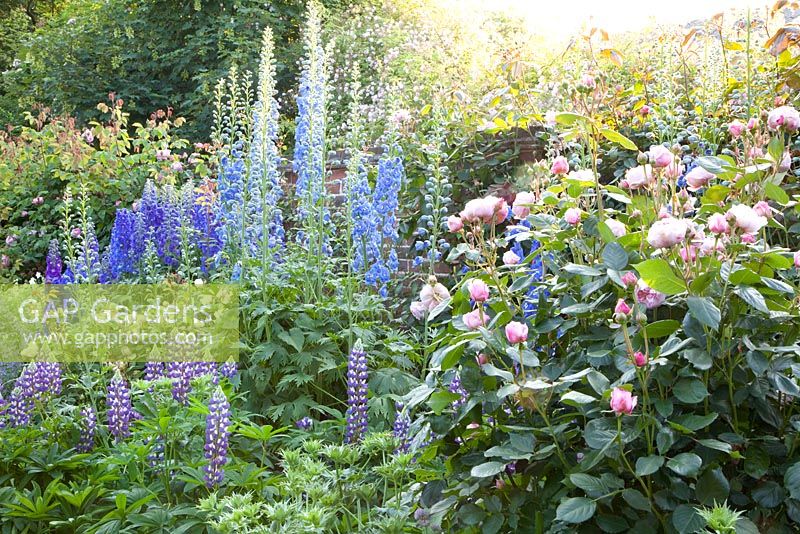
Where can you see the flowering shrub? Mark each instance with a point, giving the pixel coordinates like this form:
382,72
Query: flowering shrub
631,364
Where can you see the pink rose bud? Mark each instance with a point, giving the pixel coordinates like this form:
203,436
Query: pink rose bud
644,110
516,332
622,307
478,290
688,253
560,165
501,212
24,213
639,359
454,223
622,402
418,309
786,162
475,319
736,129
762,208
752,123
482,359
797,259
572,216
629,279
661,156
522,204
718,224
617,228
509,258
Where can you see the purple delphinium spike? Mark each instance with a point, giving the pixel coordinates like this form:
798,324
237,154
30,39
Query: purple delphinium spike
456,387
88,427
52,274
216,447
356,394
402,422
304,424
119,408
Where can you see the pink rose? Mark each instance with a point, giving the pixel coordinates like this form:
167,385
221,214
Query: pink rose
718,224
784,116
660,156
638,177
163,155
516,332
762,208
752,123
698,177
475,319
454,223
617,228
478,290
622,402
667,233
622,307
432,294
639,359
644,110
736,129
572,216
482,209
522,204
797,259
560,165
748,238
629,279
418,309
746,218
509,258
648,296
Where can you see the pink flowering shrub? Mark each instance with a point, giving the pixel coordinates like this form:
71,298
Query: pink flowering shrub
627,353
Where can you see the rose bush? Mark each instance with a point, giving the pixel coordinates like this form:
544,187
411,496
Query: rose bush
617,380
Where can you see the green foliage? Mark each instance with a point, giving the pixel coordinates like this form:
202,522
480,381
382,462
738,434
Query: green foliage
107,160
